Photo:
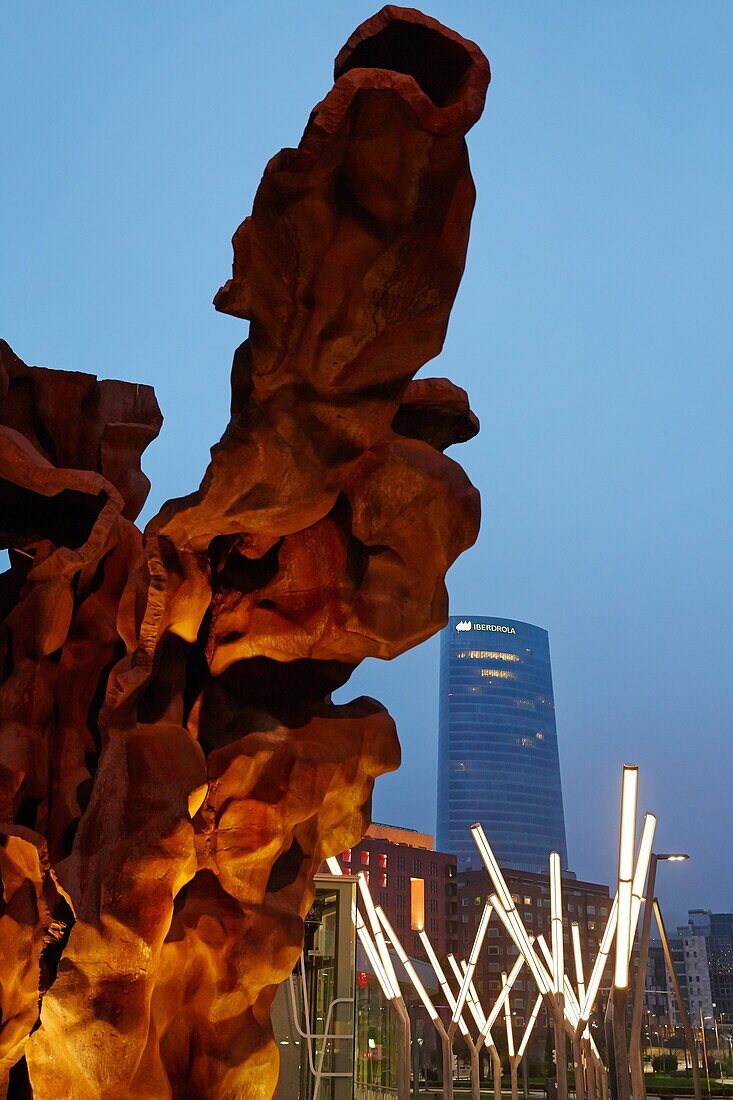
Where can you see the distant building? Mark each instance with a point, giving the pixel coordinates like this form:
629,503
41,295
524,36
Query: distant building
498,759
717,929
659,996
694,969
414,884
690,958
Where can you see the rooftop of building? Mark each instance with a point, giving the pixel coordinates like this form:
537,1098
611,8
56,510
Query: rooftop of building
396,834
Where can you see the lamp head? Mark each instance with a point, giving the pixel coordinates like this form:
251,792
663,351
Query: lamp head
672,857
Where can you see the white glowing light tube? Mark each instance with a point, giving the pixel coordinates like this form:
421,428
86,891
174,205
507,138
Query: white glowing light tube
642,866
517,931
571,1007
378,935
604,950
578,957
470,1002
558,953
442,980
492,866
627,836
499,1003
474,997
409,968
530,1025
472,961
508,1018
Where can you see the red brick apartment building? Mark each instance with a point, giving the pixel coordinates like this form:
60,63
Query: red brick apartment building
584,903
419,887
414,884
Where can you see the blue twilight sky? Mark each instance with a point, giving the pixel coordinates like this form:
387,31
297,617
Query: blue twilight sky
592,330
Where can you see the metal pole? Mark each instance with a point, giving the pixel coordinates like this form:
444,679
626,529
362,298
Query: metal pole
496,1065
638,1086
525,1077
561,1062
705,1050
513,1071
590,1069
447,1049
475,1070
415,1054
681,1006
577,1066
621,1055
403,1050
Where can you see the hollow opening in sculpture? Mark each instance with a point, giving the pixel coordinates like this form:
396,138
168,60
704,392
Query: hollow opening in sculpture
435,62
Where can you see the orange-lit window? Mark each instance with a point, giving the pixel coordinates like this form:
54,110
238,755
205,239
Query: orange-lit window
364,859
499,673
417,904
382,859
346,856
382,878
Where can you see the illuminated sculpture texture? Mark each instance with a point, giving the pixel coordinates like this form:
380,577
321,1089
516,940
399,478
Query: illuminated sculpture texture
173,770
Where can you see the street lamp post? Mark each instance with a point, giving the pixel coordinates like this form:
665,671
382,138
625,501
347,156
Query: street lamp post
705,1049
619,992
681,1006
638,1087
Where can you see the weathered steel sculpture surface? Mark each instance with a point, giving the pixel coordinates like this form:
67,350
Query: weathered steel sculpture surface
173,770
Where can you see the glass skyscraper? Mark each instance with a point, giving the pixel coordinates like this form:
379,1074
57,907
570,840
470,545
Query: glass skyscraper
498,762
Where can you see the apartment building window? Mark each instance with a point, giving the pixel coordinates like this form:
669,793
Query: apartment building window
400,861
417,904
416,866
364,858
346,856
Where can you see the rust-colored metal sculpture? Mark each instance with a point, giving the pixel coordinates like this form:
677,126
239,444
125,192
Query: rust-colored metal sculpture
173,770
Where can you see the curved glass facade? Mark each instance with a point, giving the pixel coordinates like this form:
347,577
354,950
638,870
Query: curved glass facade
498,761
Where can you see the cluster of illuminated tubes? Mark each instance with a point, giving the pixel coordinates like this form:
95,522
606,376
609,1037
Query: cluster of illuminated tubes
569,1006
